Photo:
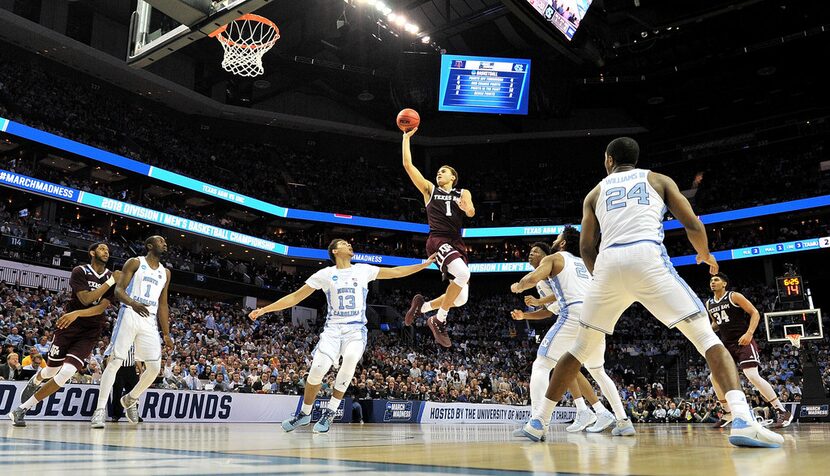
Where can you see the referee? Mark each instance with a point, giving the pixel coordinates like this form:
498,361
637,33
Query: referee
125,380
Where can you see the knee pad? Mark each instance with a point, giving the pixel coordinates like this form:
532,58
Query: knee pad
700,334
461,299
588,341
48,372
319,366
64,374
153,367
461,273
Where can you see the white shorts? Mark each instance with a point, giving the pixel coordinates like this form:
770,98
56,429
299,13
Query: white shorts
336,337
131,328
562,335
639,272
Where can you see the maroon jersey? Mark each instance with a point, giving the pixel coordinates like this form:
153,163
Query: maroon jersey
84,278
732,320
444,216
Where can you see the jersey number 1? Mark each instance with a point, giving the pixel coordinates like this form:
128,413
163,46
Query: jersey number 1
449,210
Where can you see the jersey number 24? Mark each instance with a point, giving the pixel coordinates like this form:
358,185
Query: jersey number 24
618,197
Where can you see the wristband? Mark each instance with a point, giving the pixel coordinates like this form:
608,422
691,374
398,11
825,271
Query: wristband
111,282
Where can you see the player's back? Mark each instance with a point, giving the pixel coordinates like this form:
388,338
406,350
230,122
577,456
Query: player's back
147,284
629,210
544,289
444,216
571,284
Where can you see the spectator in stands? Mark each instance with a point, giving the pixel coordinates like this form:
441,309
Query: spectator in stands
43,346
192,381
14,338
12,369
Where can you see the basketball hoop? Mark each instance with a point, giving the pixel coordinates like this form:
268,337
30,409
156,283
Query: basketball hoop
245,40
795,340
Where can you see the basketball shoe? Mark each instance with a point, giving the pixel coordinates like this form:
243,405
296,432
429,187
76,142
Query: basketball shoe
782,419
725,419
17,416
604,420
130,405
582,420
414,310
30,389
534,429
300,419
752,434
624,428
324,423
439,331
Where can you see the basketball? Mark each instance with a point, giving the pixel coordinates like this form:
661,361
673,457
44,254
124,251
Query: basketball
408,119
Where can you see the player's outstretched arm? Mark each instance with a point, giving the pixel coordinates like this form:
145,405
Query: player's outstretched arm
127,272
422,184
68,318
403,271
550,265
538,315
589,236
682,210
285,302
754,317
164,314
540,301
89,297
466,203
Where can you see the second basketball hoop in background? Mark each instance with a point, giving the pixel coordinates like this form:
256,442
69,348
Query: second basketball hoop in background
245,40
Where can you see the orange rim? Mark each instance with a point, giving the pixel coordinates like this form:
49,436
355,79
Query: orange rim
252,17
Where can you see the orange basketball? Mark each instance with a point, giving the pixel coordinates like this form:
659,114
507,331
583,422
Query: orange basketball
408,119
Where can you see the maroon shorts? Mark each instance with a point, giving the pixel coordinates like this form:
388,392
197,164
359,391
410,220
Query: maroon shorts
448,249
746,356
72,345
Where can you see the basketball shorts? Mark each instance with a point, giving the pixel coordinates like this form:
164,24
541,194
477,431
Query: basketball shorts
73,345
448,249
562,335
336,337
746,356
638,272
133,329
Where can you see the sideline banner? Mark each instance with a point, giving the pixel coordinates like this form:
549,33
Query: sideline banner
77,402
404,411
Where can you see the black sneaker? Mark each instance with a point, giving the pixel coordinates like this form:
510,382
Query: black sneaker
782,419
725,419
439,331
414,310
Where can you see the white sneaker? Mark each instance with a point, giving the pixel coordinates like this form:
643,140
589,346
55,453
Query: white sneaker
534,429
582,420
752,434
98,418
624,428
604,420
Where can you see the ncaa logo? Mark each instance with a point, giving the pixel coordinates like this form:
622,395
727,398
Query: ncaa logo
334,278
398,411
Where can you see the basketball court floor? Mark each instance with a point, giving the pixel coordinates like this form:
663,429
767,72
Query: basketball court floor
45,448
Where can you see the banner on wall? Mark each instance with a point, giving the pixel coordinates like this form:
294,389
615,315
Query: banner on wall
405,411
77,402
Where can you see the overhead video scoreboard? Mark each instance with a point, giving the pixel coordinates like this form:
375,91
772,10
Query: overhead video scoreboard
484,84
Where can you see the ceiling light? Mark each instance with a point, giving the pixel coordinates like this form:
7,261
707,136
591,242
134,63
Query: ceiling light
400,20
425,40
412,28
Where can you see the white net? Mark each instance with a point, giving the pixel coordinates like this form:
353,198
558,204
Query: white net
795,340
245,40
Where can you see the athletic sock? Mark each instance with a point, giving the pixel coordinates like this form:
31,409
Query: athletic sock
739,406
599,407
29,403
426,307
442,314
306,408
580,404
546,411
334,404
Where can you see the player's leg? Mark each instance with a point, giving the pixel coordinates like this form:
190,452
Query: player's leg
147,350
59,379
122,339
726,418
610,392
583,392
352,353
782,416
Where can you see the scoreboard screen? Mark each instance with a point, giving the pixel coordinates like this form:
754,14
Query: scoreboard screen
483,84
790,288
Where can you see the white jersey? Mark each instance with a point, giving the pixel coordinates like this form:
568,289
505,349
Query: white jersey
571,284
629,210
346,291
544,290
147,285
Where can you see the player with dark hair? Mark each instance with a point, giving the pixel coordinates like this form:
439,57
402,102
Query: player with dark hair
346,287
564,273
631,264
142,292
78,331
446,208
736,319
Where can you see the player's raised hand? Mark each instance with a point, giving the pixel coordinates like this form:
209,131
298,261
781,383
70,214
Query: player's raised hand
255,314
517,315
433,258
710,260
66,319
410,133
168,341
514,288
532,301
